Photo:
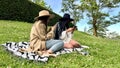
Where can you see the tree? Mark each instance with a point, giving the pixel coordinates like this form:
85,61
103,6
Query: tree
70,6
41,3
85,29
93,9
102,25
116,18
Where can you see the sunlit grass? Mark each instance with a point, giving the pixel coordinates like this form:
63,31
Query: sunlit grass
104,53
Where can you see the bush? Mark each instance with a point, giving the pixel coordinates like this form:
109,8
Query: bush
21,10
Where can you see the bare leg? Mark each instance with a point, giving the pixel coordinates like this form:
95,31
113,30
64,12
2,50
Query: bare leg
68,45
75,44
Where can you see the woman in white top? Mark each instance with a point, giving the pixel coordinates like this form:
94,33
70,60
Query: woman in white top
64,32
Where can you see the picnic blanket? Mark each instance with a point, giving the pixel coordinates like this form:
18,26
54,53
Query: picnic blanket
13,47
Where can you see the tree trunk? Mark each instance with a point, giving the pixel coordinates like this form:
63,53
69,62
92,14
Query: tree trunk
94,27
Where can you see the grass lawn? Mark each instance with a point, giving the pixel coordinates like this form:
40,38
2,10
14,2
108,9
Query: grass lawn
104,53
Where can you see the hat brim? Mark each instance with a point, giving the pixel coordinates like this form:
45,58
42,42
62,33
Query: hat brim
50,16
67,19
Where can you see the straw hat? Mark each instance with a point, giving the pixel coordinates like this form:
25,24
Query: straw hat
44,13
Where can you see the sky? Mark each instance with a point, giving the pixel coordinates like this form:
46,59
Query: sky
56,6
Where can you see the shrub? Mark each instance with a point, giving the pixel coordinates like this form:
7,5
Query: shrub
21,10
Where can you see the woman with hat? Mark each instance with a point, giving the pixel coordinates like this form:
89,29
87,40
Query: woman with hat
64,32
41,41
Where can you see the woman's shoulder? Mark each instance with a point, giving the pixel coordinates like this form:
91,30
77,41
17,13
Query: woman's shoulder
38,23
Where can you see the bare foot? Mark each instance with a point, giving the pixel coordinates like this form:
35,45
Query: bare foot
48,54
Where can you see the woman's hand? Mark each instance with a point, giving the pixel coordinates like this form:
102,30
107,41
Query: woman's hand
53,27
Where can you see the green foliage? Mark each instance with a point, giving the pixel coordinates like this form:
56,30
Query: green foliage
97,17
21,10
41,3
71,7
71,25
104,53
116,18
93,9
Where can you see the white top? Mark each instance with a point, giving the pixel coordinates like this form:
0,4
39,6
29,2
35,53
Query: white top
66,36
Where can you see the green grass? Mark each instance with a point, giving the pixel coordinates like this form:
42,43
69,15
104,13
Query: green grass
104,53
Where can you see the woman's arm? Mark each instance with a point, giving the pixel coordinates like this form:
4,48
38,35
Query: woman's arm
41,30
70,30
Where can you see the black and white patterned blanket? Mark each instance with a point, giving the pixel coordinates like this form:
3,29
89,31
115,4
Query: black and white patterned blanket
13,47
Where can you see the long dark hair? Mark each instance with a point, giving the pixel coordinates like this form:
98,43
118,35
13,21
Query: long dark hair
64,24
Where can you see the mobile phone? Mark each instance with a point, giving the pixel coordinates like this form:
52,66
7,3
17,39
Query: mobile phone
75,27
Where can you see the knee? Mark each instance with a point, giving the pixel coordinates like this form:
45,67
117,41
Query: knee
60,43
59,40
